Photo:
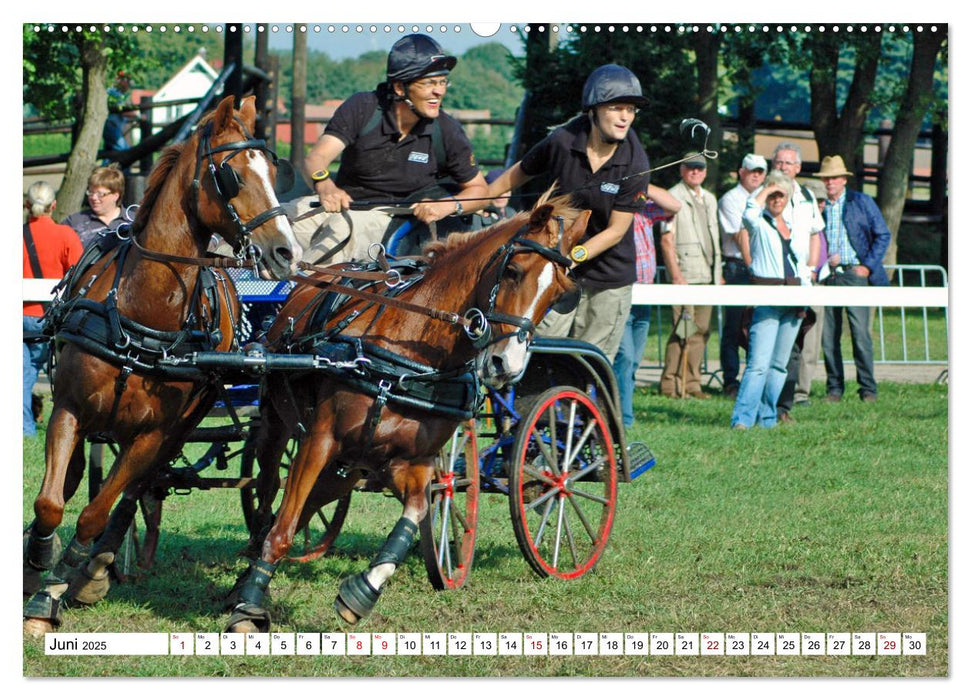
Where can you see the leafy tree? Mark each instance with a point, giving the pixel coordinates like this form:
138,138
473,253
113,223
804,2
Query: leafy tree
164,54
64,78
664,63
917,98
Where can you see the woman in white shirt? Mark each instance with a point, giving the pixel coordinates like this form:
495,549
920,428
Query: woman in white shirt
774,328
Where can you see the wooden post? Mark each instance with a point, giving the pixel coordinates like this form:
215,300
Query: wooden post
233,53
272,116
298,100
262,61
145,131
938,197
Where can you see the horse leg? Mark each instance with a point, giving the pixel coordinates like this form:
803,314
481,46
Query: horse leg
42,548
315,451
358,594
271,444
42,610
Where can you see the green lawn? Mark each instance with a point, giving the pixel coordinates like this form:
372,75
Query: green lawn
837,523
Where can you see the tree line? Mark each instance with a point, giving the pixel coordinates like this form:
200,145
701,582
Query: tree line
841,78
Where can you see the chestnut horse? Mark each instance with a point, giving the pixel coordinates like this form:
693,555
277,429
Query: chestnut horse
503,280
130,301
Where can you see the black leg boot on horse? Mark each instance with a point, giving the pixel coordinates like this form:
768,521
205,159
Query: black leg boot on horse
359,594
42,612
248,614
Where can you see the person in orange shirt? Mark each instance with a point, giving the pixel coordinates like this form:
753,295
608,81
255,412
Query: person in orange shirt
49,251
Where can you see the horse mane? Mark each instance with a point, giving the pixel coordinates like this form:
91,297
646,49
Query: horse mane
562,206
164,166
161,171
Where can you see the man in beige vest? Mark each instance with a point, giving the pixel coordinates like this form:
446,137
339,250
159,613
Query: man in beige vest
692,255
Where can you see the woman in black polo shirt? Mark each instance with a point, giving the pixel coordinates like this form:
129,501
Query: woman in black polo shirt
598,159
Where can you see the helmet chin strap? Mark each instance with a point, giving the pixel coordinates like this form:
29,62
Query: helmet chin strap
595,120
404,98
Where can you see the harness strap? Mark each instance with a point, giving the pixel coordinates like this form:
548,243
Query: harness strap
449,317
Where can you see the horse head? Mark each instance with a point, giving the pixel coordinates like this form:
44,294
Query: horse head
234,178
526,277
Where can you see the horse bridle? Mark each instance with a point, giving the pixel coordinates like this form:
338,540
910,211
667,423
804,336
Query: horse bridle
226,183
479,322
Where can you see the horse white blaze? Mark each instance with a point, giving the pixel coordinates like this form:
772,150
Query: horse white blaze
514,352
260,165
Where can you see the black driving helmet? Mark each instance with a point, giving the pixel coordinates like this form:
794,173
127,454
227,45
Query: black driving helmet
417,56
612,83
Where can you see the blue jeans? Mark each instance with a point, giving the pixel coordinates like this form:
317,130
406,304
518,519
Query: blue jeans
859,317
35,354
629,355
771,336
731,338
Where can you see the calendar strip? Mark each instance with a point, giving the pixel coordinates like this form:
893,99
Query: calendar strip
822,644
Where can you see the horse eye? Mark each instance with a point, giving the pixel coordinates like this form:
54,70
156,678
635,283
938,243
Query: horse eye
513,273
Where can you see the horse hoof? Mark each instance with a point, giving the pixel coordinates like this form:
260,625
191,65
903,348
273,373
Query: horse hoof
345,613
356,598
247,617
244,627
93,583
34,627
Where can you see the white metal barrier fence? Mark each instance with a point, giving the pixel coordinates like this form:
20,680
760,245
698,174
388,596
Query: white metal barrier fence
898,297
914,288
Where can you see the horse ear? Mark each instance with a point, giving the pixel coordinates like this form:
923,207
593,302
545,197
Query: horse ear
247,112
540,216
573,234
224,114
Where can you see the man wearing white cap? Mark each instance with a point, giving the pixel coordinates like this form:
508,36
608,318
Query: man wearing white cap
736,256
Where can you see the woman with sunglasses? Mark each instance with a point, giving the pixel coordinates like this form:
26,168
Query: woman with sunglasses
105,212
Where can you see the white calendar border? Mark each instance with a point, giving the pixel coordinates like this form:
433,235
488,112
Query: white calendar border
514,11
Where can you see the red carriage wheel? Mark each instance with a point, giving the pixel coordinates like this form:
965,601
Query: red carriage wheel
563,484
311,541
448,530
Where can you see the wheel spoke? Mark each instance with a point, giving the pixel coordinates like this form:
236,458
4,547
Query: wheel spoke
443,532
559,532
572,541
542,524
547,450
568,448
582,516
582,441
578,475
531,471
544,498
554,457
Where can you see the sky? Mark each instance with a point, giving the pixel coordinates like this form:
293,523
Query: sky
351,40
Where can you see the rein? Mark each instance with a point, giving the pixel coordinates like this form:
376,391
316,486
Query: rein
477,323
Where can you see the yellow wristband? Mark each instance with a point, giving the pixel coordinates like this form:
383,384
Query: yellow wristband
320,175
578,254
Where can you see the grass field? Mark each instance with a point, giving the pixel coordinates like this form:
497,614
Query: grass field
837,523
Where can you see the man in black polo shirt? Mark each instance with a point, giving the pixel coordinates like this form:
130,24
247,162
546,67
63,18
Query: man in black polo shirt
396,143
598,159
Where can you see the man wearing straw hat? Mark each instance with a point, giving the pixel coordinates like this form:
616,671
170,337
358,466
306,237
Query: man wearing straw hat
857,238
